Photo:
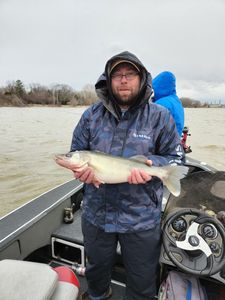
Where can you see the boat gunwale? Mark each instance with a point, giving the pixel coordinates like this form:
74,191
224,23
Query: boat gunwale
37,216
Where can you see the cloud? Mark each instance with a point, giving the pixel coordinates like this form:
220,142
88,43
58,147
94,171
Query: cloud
70,41
210,92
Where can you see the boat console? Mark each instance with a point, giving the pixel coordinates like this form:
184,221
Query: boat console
194,227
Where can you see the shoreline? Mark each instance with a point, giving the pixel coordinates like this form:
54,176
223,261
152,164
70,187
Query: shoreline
43,105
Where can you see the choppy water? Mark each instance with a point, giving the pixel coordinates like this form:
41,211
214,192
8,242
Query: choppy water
207,127
30,137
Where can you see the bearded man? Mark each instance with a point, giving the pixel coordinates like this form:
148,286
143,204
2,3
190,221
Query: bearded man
124,123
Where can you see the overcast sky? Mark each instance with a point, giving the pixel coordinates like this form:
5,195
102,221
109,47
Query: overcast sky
69,41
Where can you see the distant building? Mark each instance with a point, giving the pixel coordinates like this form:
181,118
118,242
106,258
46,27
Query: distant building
216,105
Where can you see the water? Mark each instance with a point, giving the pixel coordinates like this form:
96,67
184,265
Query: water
30,137
207,140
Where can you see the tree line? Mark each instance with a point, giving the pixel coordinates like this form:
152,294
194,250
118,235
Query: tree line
15,94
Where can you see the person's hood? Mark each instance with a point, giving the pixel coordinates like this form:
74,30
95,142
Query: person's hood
164,85
103,85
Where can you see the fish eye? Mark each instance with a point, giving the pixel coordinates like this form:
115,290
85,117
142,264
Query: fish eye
68,155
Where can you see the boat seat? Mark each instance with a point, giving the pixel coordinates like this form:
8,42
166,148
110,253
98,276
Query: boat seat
24,280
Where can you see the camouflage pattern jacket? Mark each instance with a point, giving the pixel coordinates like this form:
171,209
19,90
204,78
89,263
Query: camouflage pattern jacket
145,129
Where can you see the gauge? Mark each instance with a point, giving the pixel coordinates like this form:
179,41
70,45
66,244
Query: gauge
179,224
209,231
215,247
174,235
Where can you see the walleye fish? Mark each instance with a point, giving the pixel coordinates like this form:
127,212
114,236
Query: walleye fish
114,169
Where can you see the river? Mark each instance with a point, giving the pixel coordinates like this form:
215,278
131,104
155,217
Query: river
31,136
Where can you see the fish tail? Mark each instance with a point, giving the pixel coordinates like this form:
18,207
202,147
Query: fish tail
173,177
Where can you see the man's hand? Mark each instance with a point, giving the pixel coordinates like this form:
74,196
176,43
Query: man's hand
86,175
139,176
83,173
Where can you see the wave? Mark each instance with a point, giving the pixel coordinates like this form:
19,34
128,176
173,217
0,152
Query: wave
214,147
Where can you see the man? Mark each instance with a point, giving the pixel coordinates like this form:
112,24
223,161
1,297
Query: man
164,85
124,123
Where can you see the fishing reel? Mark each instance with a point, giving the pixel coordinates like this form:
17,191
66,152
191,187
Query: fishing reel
185,134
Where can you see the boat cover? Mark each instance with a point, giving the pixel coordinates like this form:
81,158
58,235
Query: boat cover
201,190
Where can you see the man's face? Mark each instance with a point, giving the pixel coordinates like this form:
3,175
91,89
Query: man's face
125,83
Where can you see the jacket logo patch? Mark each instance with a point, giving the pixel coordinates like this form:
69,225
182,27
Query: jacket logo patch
141,136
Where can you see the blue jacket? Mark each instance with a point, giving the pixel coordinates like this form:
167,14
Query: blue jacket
164,86
145,129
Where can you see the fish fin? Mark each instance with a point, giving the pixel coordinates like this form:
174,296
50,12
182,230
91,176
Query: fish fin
139,158
173,177
81,168
97,183
97,179
98,151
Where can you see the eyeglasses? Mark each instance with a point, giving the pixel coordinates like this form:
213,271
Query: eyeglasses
129,76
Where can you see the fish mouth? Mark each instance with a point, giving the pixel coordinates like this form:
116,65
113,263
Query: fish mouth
59,157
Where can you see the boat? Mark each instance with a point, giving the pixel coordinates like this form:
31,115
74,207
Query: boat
46,231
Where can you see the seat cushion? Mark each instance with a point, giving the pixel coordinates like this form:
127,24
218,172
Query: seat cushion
68,285
23,280
65,291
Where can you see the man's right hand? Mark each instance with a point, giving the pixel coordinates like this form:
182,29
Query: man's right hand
86,175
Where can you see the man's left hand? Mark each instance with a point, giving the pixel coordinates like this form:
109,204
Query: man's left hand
139,176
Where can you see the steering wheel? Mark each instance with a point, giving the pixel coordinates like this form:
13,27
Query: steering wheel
194,242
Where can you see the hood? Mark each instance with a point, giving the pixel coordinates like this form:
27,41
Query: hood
164,85
103,85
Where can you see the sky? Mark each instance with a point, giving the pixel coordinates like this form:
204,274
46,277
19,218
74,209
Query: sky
69,41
